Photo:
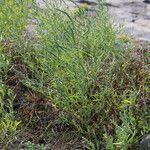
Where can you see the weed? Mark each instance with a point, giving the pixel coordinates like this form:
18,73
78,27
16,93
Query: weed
79,63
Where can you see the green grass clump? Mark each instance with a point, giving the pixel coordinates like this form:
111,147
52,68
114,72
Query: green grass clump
8,124
81,64
13,20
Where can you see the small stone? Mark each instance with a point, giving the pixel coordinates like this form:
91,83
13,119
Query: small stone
145,143
88,2
146,1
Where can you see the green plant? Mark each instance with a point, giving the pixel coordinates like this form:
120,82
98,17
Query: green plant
71,50
32,146
82,66
81,63
124,133
8,124
13,18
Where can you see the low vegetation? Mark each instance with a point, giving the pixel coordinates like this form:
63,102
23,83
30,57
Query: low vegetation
74,81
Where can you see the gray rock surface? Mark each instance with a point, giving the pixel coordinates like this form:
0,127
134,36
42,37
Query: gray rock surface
134,14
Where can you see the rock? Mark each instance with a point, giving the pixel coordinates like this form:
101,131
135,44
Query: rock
146,1
140,29
133,14
88,2
145,143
